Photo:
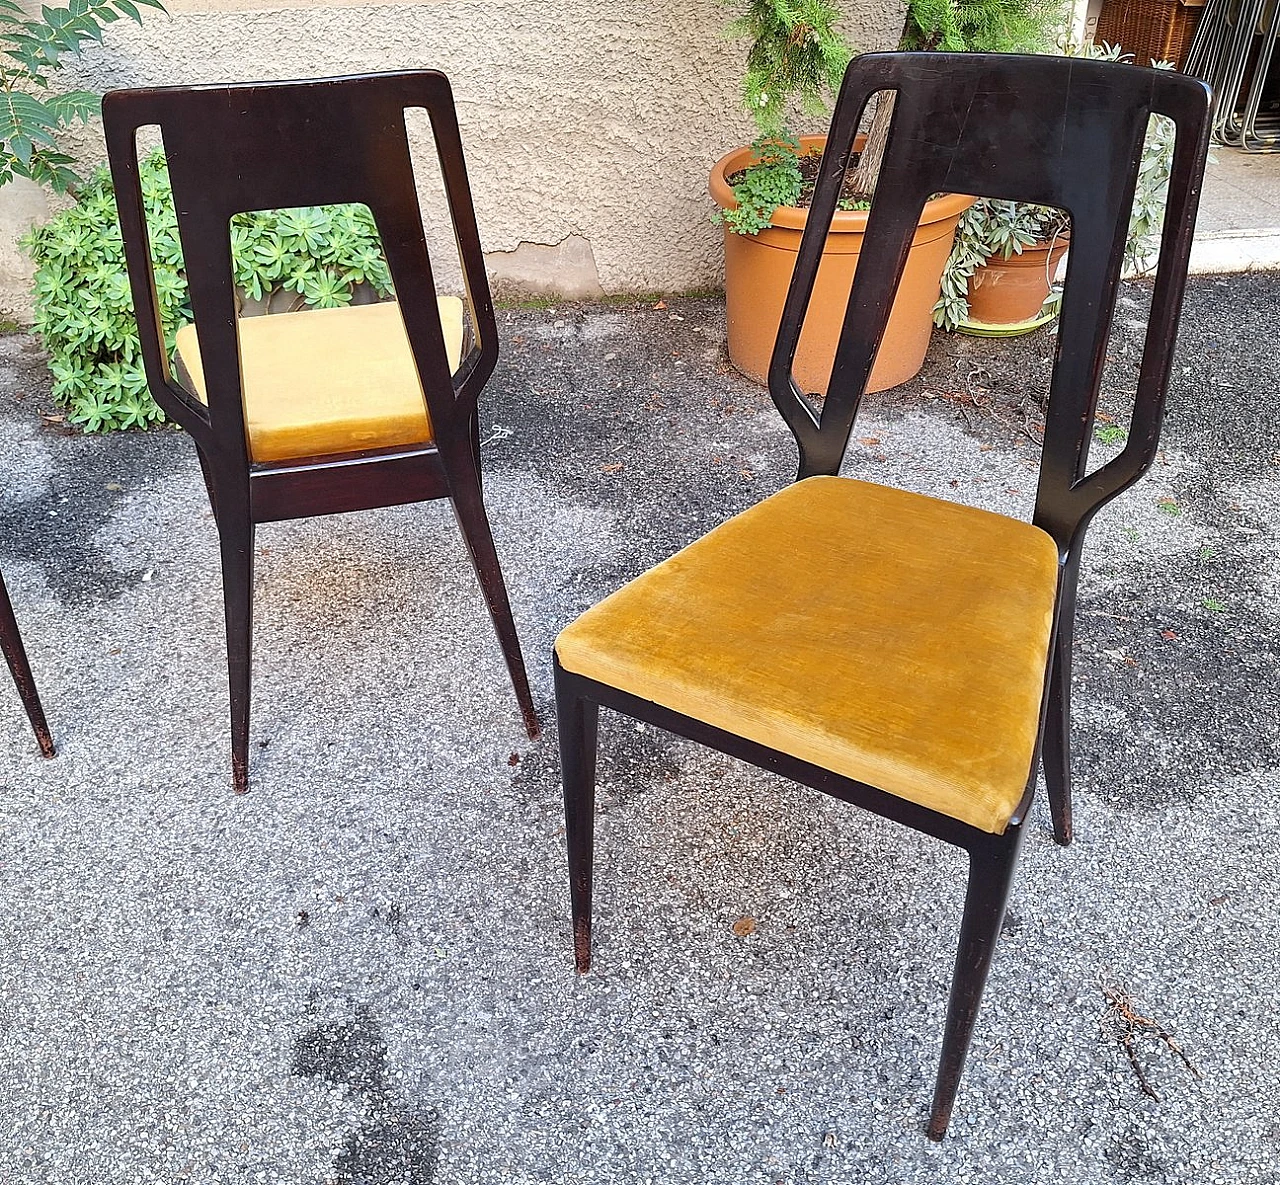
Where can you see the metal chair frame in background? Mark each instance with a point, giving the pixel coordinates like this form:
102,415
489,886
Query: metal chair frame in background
15,656
320,142
1232,50
1053,131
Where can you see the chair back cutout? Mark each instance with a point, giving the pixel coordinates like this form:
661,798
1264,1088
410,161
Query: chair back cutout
232,149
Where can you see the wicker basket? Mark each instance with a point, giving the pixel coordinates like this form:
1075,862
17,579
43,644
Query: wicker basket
1151,30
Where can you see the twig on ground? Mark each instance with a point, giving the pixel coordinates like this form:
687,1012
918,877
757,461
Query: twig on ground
1122,1021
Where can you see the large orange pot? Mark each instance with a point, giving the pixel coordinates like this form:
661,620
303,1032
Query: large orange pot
758,272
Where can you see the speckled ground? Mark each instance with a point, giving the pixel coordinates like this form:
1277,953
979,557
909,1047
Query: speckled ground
360,972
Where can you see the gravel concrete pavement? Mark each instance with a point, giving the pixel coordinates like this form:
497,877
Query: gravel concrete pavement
361,973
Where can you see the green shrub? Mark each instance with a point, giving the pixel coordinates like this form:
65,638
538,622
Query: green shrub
84,310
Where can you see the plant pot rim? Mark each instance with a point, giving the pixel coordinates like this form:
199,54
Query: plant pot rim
1032,255
794,217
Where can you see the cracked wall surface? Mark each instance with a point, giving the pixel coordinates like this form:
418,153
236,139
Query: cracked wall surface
580,121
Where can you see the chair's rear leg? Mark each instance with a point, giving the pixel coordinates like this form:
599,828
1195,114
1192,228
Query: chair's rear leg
1055,747
236,535
577,720
991,869
468,505
16,656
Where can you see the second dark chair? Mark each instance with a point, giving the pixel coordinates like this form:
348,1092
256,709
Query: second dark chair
319,411
897,651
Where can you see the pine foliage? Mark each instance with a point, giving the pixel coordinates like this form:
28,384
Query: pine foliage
796,55
982,26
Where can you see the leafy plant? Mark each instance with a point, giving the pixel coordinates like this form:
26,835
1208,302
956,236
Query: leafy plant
773,180
32,116
84,309
988,228
796,55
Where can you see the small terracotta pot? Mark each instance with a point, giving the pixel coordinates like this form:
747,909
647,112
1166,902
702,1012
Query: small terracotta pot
1010,291
758,272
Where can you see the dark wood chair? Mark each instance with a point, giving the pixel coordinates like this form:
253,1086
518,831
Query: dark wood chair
899,652
327,410
16,656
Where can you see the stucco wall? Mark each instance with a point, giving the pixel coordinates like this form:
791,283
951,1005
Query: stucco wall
589,127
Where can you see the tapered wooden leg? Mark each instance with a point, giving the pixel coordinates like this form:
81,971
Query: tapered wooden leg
577,720
469,507
16,656
991,871
236,534
1056,744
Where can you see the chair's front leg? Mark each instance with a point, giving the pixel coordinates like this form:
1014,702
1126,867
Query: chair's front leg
468,507
991,868
578,719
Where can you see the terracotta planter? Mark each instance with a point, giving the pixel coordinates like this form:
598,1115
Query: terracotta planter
758,271
1012,291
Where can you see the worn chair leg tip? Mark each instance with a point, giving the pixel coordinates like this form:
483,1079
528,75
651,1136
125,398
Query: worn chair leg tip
533,727
936,1133
582,951
47,749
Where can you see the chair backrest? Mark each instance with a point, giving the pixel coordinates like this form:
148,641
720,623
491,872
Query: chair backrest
270,145
1054,131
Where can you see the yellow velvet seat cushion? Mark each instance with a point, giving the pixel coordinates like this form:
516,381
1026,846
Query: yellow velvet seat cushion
325,381
889,637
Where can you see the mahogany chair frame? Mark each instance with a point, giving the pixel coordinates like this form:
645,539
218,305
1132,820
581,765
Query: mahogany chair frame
1053,131
15,656
320,142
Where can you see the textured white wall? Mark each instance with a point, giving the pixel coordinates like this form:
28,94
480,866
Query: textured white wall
583,121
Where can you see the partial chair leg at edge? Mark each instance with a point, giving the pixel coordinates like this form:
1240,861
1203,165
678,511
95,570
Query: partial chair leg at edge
16,657
237,543
990,878
468,506
578,721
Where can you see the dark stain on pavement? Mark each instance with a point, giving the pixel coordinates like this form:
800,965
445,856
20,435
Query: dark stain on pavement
395,1145
88,476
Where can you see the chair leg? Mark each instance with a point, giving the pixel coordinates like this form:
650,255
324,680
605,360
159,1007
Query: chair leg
16,656
990,877
1056,745
577,719
468,505
236,535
